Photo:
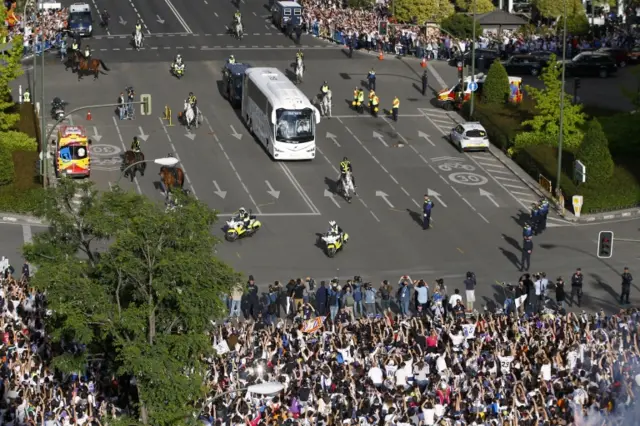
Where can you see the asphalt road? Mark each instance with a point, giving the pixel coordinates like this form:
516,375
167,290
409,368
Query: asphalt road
479,204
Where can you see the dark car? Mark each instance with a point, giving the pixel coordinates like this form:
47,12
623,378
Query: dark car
543,56
523,65
484,58
232,75
591,64
634,55
619,55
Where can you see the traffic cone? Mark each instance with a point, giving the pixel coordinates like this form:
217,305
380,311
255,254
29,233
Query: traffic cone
381,56
423,63
89,115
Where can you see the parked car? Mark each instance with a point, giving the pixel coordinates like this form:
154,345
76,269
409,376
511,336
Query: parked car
591,64
484,58
634,55
523,65
618,54
543,56
469,136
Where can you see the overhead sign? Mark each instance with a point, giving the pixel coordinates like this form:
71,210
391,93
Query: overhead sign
577,201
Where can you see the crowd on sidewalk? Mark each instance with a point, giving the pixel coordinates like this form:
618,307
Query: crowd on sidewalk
41,30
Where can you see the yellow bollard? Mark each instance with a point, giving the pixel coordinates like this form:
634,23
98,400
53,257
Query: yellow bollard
170,124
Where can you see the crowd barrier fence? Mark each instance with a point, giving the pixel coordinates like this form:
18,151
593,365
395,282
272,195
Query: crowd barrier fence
38,46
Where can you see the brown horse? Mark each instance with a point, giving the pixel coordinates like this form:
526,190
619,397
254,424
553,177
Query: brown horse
90,66
72,59
170,178
134,163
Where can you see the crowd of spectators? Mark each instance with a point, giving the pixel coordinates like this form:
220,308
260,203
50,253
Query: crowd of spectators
42,30
342,354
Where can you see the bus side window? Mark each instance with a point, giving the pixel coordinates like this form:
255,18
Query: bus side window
287,12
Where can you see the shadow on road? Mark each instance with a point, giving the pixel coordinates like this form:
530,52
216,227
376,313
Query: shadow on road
512,242
511,257
416,216
522,218
332,185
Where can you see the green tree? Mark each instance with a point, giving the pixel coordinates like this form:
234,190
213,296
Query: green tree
595,155
544,127
495,89
577,24
554,8
146,299
460,25
422,10
10,69
361,4
482,6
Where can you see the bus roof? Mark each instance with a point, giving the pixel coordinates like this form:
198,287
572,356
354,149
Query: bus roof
278,88
79,7
238,68
289,4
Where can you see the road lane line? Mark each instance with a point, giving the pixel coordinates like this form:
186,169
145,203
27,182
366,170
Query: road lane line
484,218
139,17
504,172
233,167
521,193
510,186
298,187
178,16
374,216
469,204
27,237
175,152
507,179
124,149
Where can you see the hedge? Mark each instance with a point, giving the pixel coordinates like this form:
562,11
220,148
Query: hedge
503,122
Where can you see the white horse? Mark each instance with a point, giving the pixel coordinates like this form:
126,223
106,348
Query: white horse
238,30
299,67
192,118
138,39
347,187
325,104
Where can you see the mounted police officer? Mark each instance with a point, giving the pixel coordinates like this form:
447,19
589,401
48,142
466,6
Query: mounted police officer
345,166
87,52
135,145
192,101
231,60
138,26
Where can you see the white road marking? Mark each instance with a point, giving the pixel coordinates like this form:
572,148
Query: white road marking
139,17
178,17
506,179
298,187
510,185
115,123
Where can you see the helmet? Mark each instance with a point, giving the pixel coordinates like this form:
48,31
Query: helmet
241,210
325,82
170,155
135,139
178,56
345,159
332,223
190,93
231,56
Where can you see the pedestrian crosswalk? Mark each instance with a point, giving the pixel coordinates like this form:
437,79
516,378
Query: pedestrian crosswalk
441,119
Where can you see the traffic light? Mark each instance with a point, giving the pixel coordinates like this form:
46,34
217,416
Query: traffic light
145,107
605,244
382,28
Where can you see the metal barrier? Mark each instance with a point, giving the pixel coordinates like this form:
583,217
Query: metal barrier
545,184
168,116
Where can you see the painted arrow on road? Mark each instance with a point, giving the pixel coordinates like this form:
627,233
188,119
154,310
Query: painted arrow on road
332,197
122,21
378,136
489,195
96,136
218,192
334,138
275,194
190,135
235,134
385,197
423,135
142,135
161,21
437,196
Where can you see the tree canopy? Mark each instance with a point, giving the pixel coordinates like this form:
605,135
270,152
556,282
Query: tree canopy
482,6
10,69
595,155
128,279
460,25
544,127
422,10
554,8
495,89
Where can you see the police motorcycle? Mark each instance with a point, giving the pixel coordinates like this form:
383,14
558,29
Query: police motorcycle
177,67
57,109
235,227
333,241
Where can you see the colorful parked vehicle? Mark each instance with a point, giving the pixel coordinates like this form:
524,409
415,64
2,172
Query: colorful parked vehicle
72,152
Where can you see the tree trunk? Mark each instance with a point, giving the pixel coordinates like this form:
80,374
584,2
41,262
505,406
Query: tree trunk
152,321
143,413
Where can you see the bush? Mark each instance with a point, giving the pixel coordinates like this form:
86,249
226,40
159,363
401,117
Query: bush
617,128
495,89
27,176
594,154
7,171
502,122
18,141
15,200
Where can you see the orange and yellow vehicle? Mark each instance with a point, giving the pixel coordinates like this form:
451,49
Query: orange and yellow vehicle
72,152
456,95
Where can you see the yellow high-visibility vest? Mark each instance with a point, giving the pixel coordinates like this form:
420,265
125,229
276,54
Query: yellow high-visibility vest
396,103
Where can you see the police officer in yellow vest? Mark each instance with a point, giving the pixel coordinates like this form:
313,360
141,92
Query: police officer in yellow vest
394,108
374,105
354,103
372,93
138,26
360,99
26,96
75,46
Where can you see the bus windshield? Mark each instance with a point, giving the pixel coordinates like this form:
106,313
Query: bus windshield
294,126
80,19
73,152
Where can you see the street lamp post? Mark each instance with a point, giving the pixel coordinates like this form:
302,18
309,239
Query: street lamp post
561,134
473,60
44,146
164,161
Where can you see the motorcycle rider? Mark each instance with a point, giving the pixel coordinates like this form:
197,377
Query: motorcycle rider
231,60
334,229
177,63
135,145
345,166
245,217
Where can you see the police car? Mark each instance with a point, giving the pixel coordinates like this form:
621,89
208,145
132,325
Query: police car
80,20
470,137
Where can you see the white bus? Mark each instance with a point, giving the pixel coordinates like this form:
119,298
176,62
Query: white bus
279,115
